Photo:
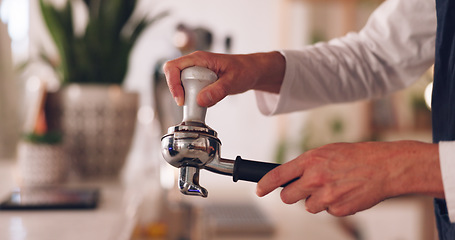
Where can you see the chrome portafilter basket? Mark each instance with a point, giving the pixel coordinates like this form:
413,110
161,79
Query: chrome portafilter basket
192,145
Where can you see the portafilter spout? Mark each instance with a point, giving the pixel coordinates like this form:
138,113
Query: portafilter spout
192,145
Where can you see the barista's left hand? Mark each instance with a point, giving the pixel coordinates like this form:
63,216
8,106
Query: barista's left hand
345,178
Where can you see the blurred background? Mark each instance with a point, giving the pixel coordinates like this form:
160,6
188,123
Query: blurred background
31,58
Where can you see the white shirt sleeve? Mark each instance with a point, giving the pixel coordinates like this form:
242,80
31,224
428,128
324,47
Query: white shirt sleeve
394,49
447,161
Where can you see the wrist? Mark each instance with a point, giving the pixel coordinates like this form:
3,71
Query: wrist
414,169
273,66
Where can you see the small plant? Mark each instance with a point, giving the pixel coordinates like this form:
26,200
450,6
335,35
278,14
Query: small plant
46,138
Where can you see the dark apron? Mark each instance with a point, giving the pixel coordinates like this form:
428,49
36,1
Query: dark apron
443,101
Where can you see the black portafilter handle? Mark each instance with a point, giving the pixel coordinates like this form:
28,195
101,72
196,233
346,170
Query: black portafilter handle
253,171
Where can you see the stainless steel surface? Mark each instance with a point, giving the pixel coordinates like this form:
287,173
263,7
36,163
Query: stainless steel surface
193,148
192,145
220,166
192,127
194,79
189,182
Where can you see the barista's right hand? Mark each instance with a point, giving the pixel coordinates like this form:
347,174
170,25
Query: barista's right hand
236,74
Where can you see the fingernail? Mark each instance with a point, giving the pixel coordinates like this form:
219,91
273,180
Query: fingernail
259,192
179,101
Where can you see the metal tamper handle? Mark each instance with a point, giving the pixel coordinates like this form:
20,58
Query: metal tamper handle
194,79
192,145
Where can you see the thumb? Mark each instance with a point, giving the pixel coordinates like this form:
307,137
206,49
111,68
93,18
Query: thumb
212,94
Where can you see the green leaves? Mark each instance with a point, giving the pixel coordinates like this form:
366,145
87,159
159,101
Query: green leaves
101,54
60,25
47,138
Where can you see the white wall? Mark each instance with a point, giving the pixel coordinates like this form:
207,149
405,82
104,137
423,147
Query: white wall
9,95
254,26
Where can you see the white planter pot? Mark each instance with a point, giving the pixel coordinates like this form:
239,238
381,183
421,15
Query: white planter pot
97,122
41,164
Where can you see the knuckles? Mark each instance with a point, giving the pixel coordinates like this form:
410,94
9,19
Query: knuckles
275,176
199,53
317,180
221,91
286,198
339,211
329,196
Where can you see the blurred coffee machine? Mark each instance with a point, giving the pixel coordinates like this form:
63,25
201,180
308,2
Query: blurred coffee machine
186,40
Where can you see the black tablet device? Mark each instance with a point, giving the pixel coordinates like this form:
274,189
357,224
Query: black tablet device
51,198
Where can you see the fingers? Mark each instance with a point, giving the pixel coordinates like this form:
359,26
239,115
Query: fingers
175,86
313,205
173,68
172,73
341,179
212,94
208,96
236,74
295,192
278,177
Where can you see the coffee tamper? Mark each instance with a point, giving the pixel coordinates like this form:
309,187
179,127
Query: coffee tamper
192,145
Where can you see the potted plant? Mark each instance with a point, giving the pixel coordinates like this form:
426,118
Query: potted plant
41,160
95,114
40,154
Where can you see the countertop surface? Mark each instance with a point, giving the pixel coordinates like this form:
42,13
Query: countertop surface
117,215
109,221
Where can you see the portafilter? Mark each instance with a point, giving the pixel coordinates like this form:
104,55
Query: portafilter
192,145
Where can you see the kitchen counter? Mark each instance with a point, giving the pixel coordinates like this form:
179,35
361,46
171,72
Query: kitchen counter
116,215
109,221
119,210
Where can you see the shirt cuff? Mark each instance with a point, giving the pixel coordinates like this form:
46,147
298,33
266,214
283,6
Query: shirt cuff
447,161
267,102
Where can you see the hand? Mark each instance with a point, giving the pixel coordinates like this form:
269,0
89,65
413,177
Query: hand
236,74
345,178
